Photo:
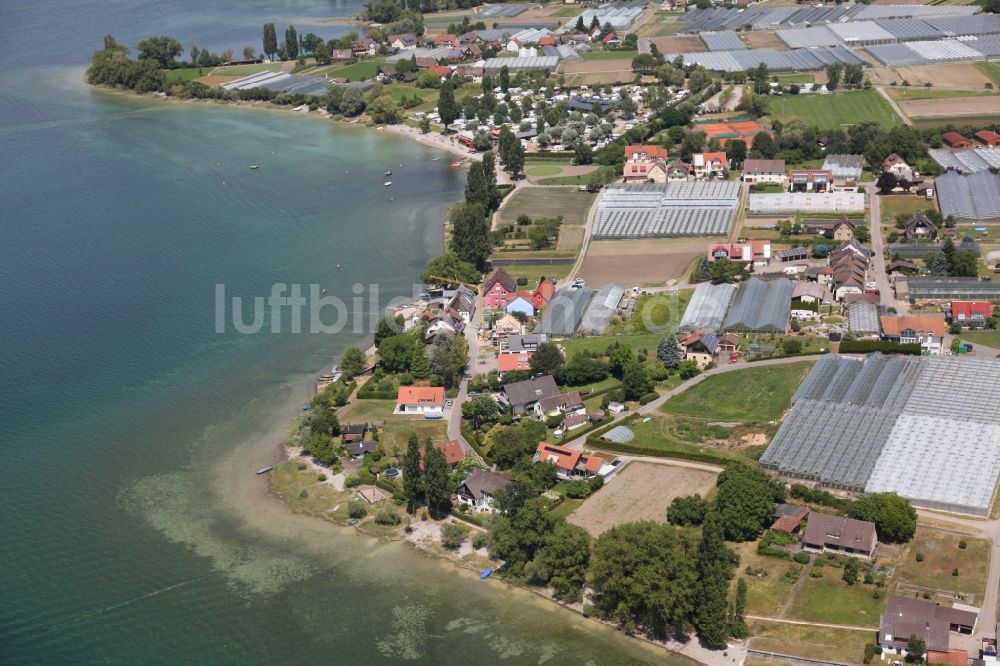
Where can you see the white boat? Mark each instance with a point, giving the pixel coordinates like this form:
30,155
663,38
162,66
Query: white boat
254,166
387,183
388,173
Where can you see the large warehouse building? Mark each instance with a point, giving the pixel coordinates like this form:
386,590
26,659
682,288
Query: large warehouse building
926,428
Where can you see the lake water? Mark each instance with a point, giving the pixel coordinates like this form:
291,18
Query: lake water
134,530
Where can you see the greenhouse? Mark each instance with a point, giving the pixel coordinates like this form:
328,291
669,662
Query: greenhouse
973,198
655,210
562,314
707,307
602,308
726,40
953,288
760,306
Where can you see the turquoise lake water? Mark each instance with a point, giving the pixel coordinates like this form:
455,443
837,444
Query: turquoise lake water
133,528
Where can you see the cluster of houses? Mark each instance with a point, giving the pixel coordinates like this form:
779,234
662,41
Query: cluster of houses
926,329
839,173
648,164
541,398
500,293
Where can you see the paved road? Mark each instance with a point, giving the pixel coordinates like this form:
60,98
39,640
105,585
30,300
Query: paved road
881,277
581,255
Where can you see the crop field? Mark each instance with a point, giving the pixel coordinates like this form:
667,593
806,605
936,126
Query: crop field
953,107
641,491
609,55
942,555
537,202
992,70
640,262
834,111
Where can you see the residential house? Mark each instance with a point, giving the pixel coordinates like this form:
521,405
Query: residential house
569,463
452,450
956,141
678,171
729,343
513,45
353,432
819,274
443,324
463,303
406,41
514,362
810,180
920,227
898,167
764,171
846,170
971,314
521,302
575,420
611,39
928,621
359,449
843,230
706,165
505,327
564,403
988,138
644,172
426,62
479,488
849,269
341,55
642,153
420,400
903,267
926,329
518,344
522,396
810,292
702,348
364,46
757,251
443,72
842,535
498,289
543,292
450,41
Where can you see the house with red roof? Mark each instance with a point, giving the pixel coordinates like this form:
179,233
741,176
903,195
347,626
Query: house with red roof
514,362
548,40
452,450
971,314
757,251
498,290
926,329
440,71
988,138
641,153
810,180
956,141
645,172
570,463
420,400
708,164
611,38
450,41
543,293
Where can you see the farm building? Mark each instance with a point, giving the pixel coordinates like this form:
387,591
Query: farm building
846,170
807,202
760,306
862,319
563,313
973,198
952,288
708,306
667,209
856,422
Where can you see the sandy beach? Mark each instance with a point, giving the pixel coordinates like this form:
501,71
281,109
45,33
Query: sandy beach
432,139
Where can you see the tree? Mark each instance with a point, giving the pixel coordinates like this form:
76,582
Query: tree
736,151
619,358
518,535
413,484
636,382
563,562
725,270
739,627
448,109
688,511
291,43
453,534
547,359
584,154
916,648
833,73
658,592
388,327
745,501
504,78
490,171
352,362
477,189
479,410
470,231
511,152
668,352
964,263
895,519
761,79
161,49
425,125
764,145
851,569
270,40
352,103
580,26
508,445
886,182
449,270
396,353
385,110
436,483
715,565
582,369
937,263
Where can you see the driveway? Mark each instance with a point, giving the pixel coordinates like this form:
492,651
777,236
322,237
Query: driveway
881,277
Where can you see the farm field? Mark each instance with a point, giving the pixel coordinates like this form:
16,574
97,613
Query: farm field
537,202
609,55
963,75
679,44
756,394
991,70
640,262
641,491
953,107
910,94
764,40
834,111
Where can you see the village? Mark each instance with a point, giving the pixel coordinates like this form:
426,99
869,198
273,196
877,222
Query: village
719,302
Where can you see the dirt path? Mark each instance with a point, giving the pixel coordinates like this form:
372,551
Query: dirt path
895,107
810,624
795,589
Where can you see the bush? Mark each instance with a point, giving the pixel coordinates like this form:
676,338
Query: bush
801,558
791,346
647,398
479,540
304,494
954,572
387,516
962,544
884,346
301,466
577,489
522,281
453,534
871,649
595,483
321,477
356,508
920,557
352,481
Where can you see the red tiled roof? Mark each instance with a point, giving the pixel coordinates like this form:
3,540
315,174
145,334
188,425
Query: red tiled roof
510,362
420,395
952,138
987,136
969,308
440,70
544,291
652,152
565,459
547,40
452,450
928,323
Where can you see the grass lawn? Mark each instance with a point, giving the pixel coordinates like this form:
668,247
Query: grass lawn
755,394
397,428
941,556
896,204
833,111
804,77
990,69
817,643
773,579
599,343
563,12
366,69
605,173
987,338
566,507
245,70
289,482
608,55
543,170
686,436
537,202
185,74
535,271
832,601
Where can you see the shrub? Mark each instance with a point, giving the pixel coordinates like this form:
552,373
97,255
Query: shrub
816,573
871,649
954,572
356,508
352,481
304,494
321,477
387,516
453,534
301,466
801,558
920,557
647,398
791,346
522,281
595,483
479,540
869,578
577,489
962,544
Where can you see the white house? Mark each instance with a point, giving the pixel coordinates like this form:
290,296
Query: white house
420,400
479,489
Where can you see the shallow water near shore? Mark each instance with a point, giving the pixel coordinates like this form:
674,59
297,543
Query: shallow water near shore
134,527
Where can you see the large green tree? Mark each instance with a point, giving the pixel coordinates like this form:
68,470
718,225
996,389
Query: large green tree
477,188
448,108
436,481
715,565
490,171
669,352
449,270
270,40
161,49
518,536
894,517
636,382
479,410
413,485
470,231
352,362
291,43
688,511
739,622
547,359
563,562
745,501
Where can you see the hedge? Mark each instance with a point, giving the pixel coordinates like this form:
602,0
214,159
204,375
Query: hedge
698,456
364,394
473,441
884,346
468,517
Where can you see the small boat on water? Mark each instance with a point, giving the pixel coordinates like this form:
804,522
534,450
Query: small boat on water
456,164
387,183
265,470
389,172
254,166
486,573
435,159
